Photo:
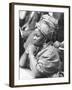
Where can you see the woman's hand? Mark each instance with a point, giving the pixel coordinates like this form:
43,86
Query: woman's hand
30,49
57,44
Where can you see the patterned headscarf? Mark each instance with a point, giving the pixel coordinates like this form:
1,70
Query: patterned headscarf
50,21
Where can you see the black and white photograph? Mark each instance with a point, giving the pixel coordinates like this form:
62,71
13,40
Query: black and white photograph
41,44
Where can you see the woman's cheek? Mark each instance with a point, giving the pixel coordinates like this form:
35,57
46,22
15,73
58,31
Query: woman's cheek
37,42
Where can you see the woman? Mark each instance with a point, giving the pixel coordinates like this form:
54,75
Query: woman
43,57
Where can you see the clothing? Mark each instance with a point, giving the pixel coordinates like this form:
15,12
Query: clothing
48,61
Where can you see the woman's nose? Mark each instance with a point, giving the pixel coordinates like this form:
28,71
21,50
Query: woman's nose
35,38
36,29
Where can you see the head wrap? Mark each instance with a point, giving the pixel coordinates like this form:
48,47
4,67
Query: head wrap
50,21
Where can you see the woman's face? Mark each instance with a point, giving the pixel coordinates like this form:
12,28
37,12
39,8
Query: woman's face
38,36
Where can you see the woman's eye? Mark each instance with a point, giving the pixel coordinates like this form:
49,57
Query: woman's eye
37,35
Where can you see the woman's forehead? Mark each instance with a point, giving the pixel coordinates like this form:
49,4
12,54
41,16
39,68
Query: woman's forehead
37,31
